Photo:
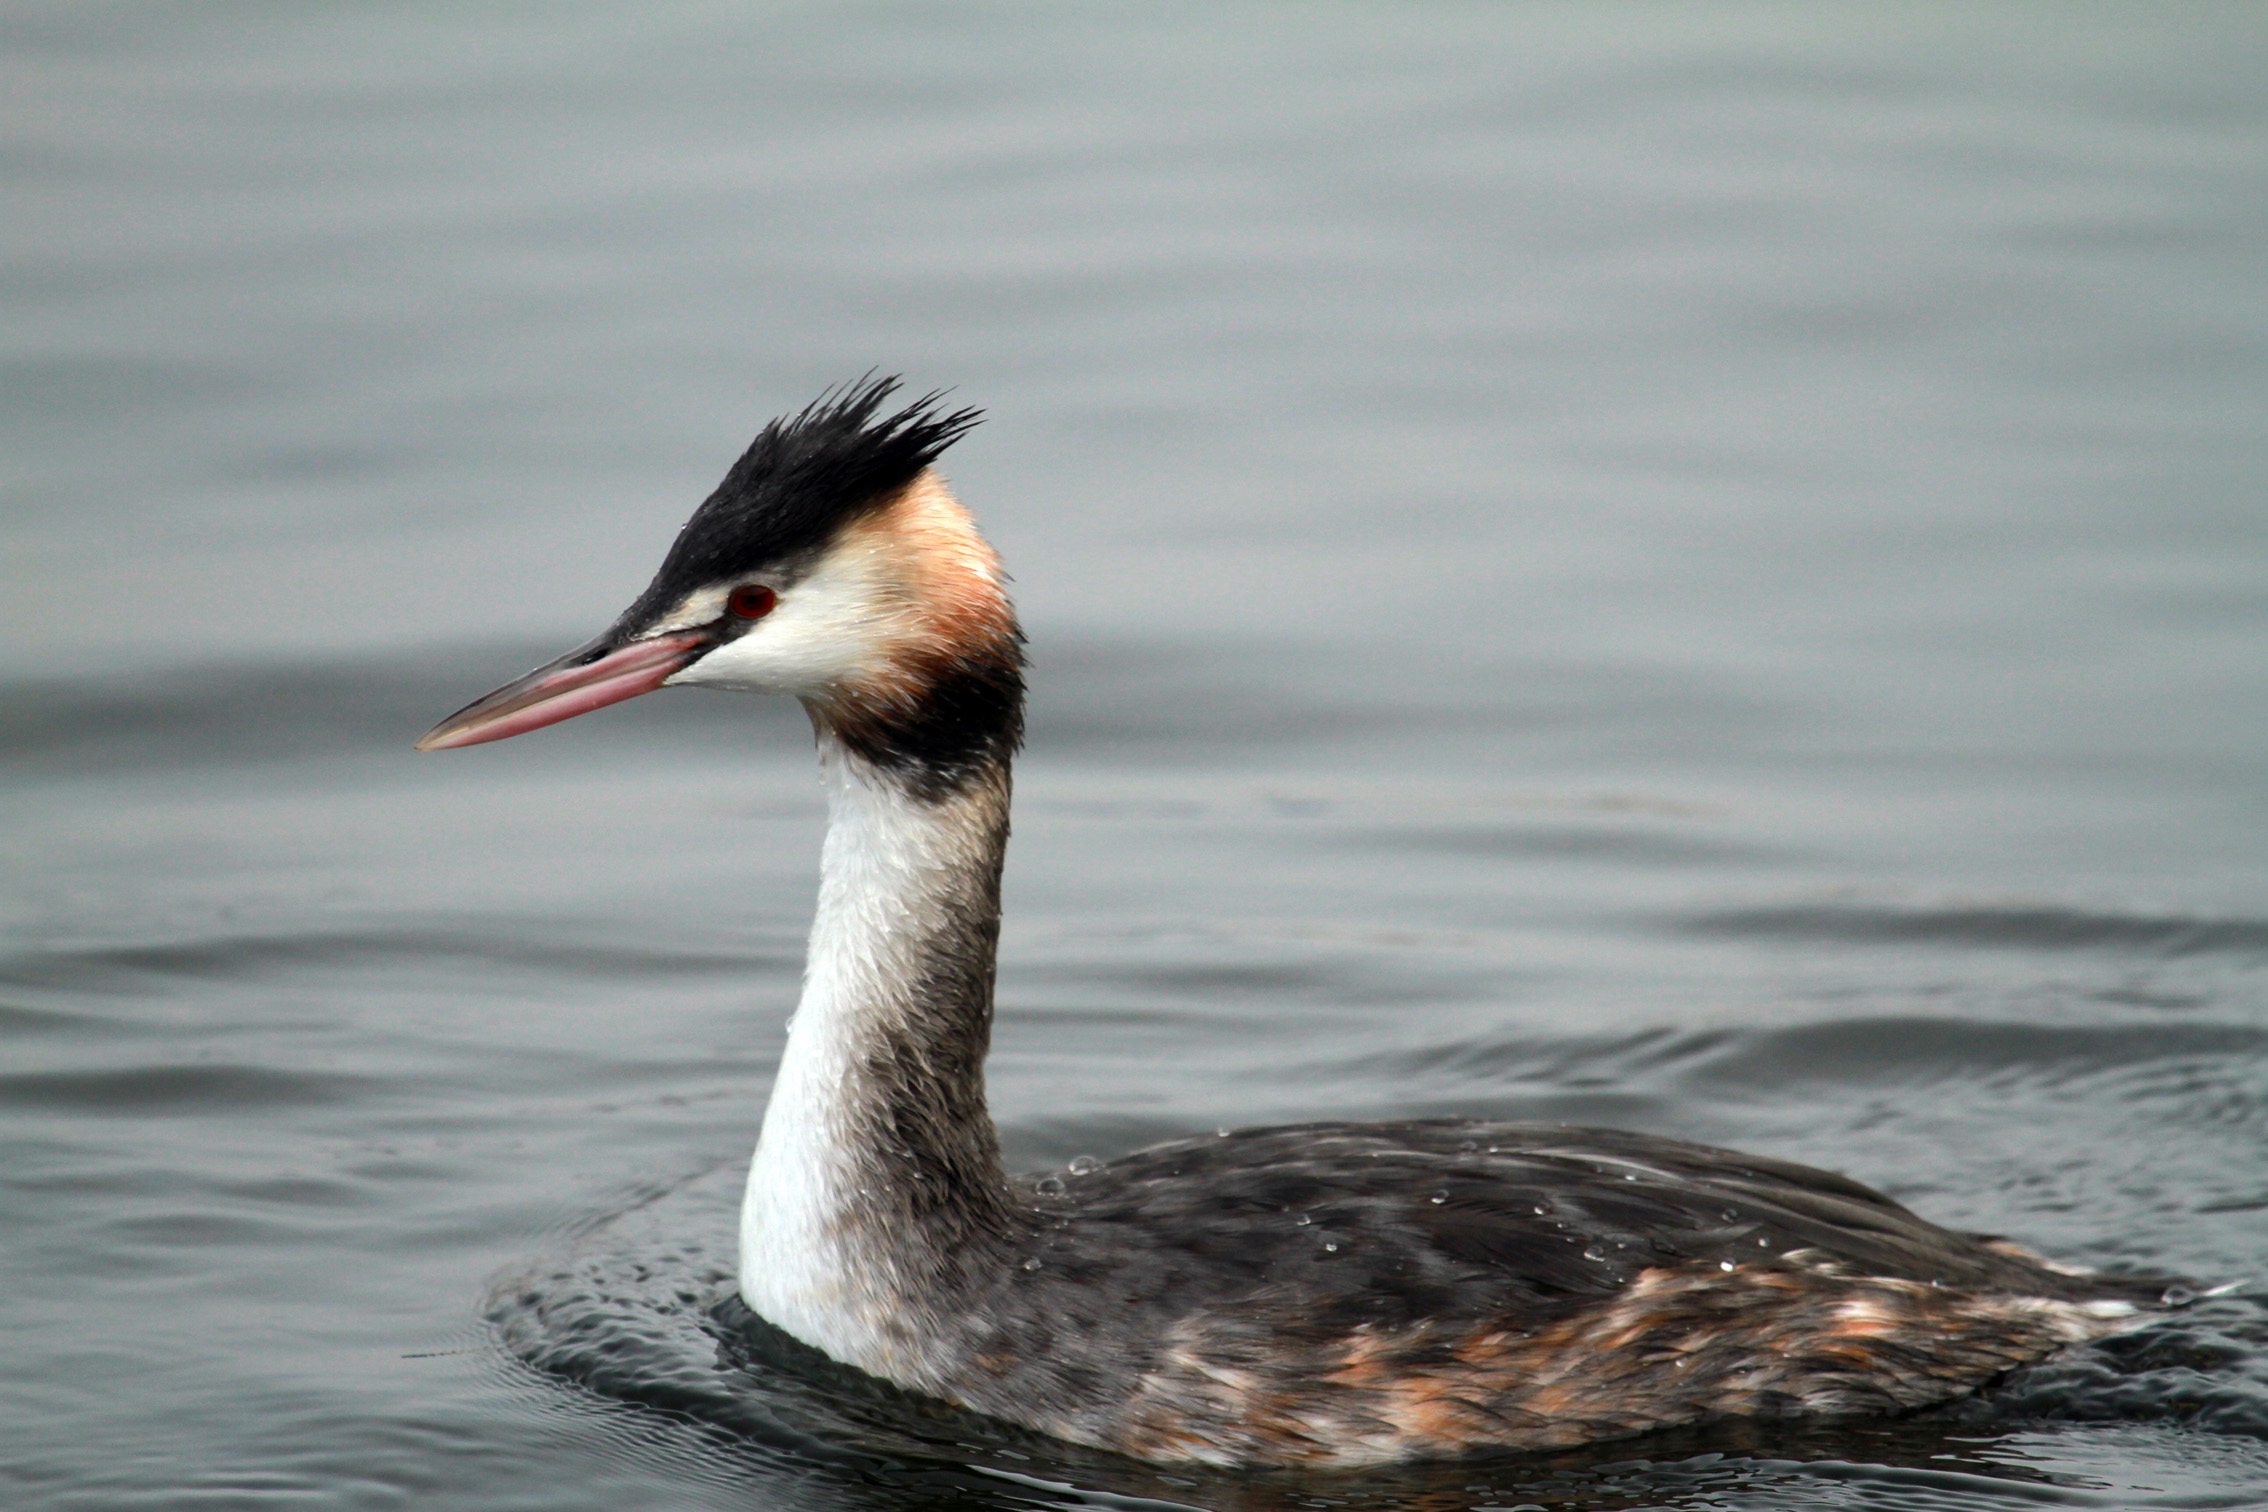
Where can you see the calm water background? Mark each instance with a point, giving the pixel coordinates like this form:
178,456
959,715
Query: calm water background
1701,568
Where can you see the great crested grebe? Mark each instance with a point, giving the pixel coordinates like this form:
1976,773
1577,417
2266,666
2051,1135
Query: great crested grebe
1322,1294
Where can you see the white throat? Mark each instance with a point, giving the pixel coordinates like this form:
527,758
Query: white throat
833,1248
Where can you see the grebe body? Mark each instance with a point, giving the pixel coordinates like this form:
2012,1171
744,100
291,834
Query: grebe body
1323,1294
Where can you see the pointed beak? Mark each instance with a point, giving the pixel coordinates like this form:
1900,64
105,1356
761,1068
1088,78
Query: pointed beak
586,678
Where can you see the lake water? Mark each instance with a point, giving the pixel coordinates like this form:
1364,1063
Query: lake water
1699,568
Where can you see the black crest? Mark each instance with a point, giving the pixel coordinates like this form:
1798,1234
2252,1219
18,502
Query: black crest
800,481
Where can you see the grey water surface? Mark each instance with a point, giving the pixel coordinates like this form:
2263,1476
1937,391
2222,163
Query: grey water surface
1702,568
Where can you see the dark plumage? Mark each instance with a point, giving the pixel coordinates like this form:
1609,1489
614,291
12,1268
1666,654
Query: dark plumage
800,481
1337,1293
963,719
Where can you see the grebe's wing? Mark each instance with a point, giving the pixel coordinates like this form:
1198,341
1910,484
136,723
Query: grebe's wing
1345,1294
1438,1218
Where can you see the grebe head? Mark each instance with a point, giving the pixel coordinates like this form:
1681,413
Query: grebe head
831,564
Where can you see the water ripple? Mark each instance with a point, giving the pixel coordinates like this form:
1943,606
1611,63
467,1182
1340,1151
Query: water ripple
126,968
200,1088
2027,928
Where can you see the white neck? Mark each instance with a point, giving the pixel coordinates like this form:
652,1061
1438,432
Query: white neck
877,1166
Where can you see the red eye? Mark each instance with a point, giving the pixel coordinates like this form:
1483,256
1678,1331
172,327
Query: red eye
752,601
